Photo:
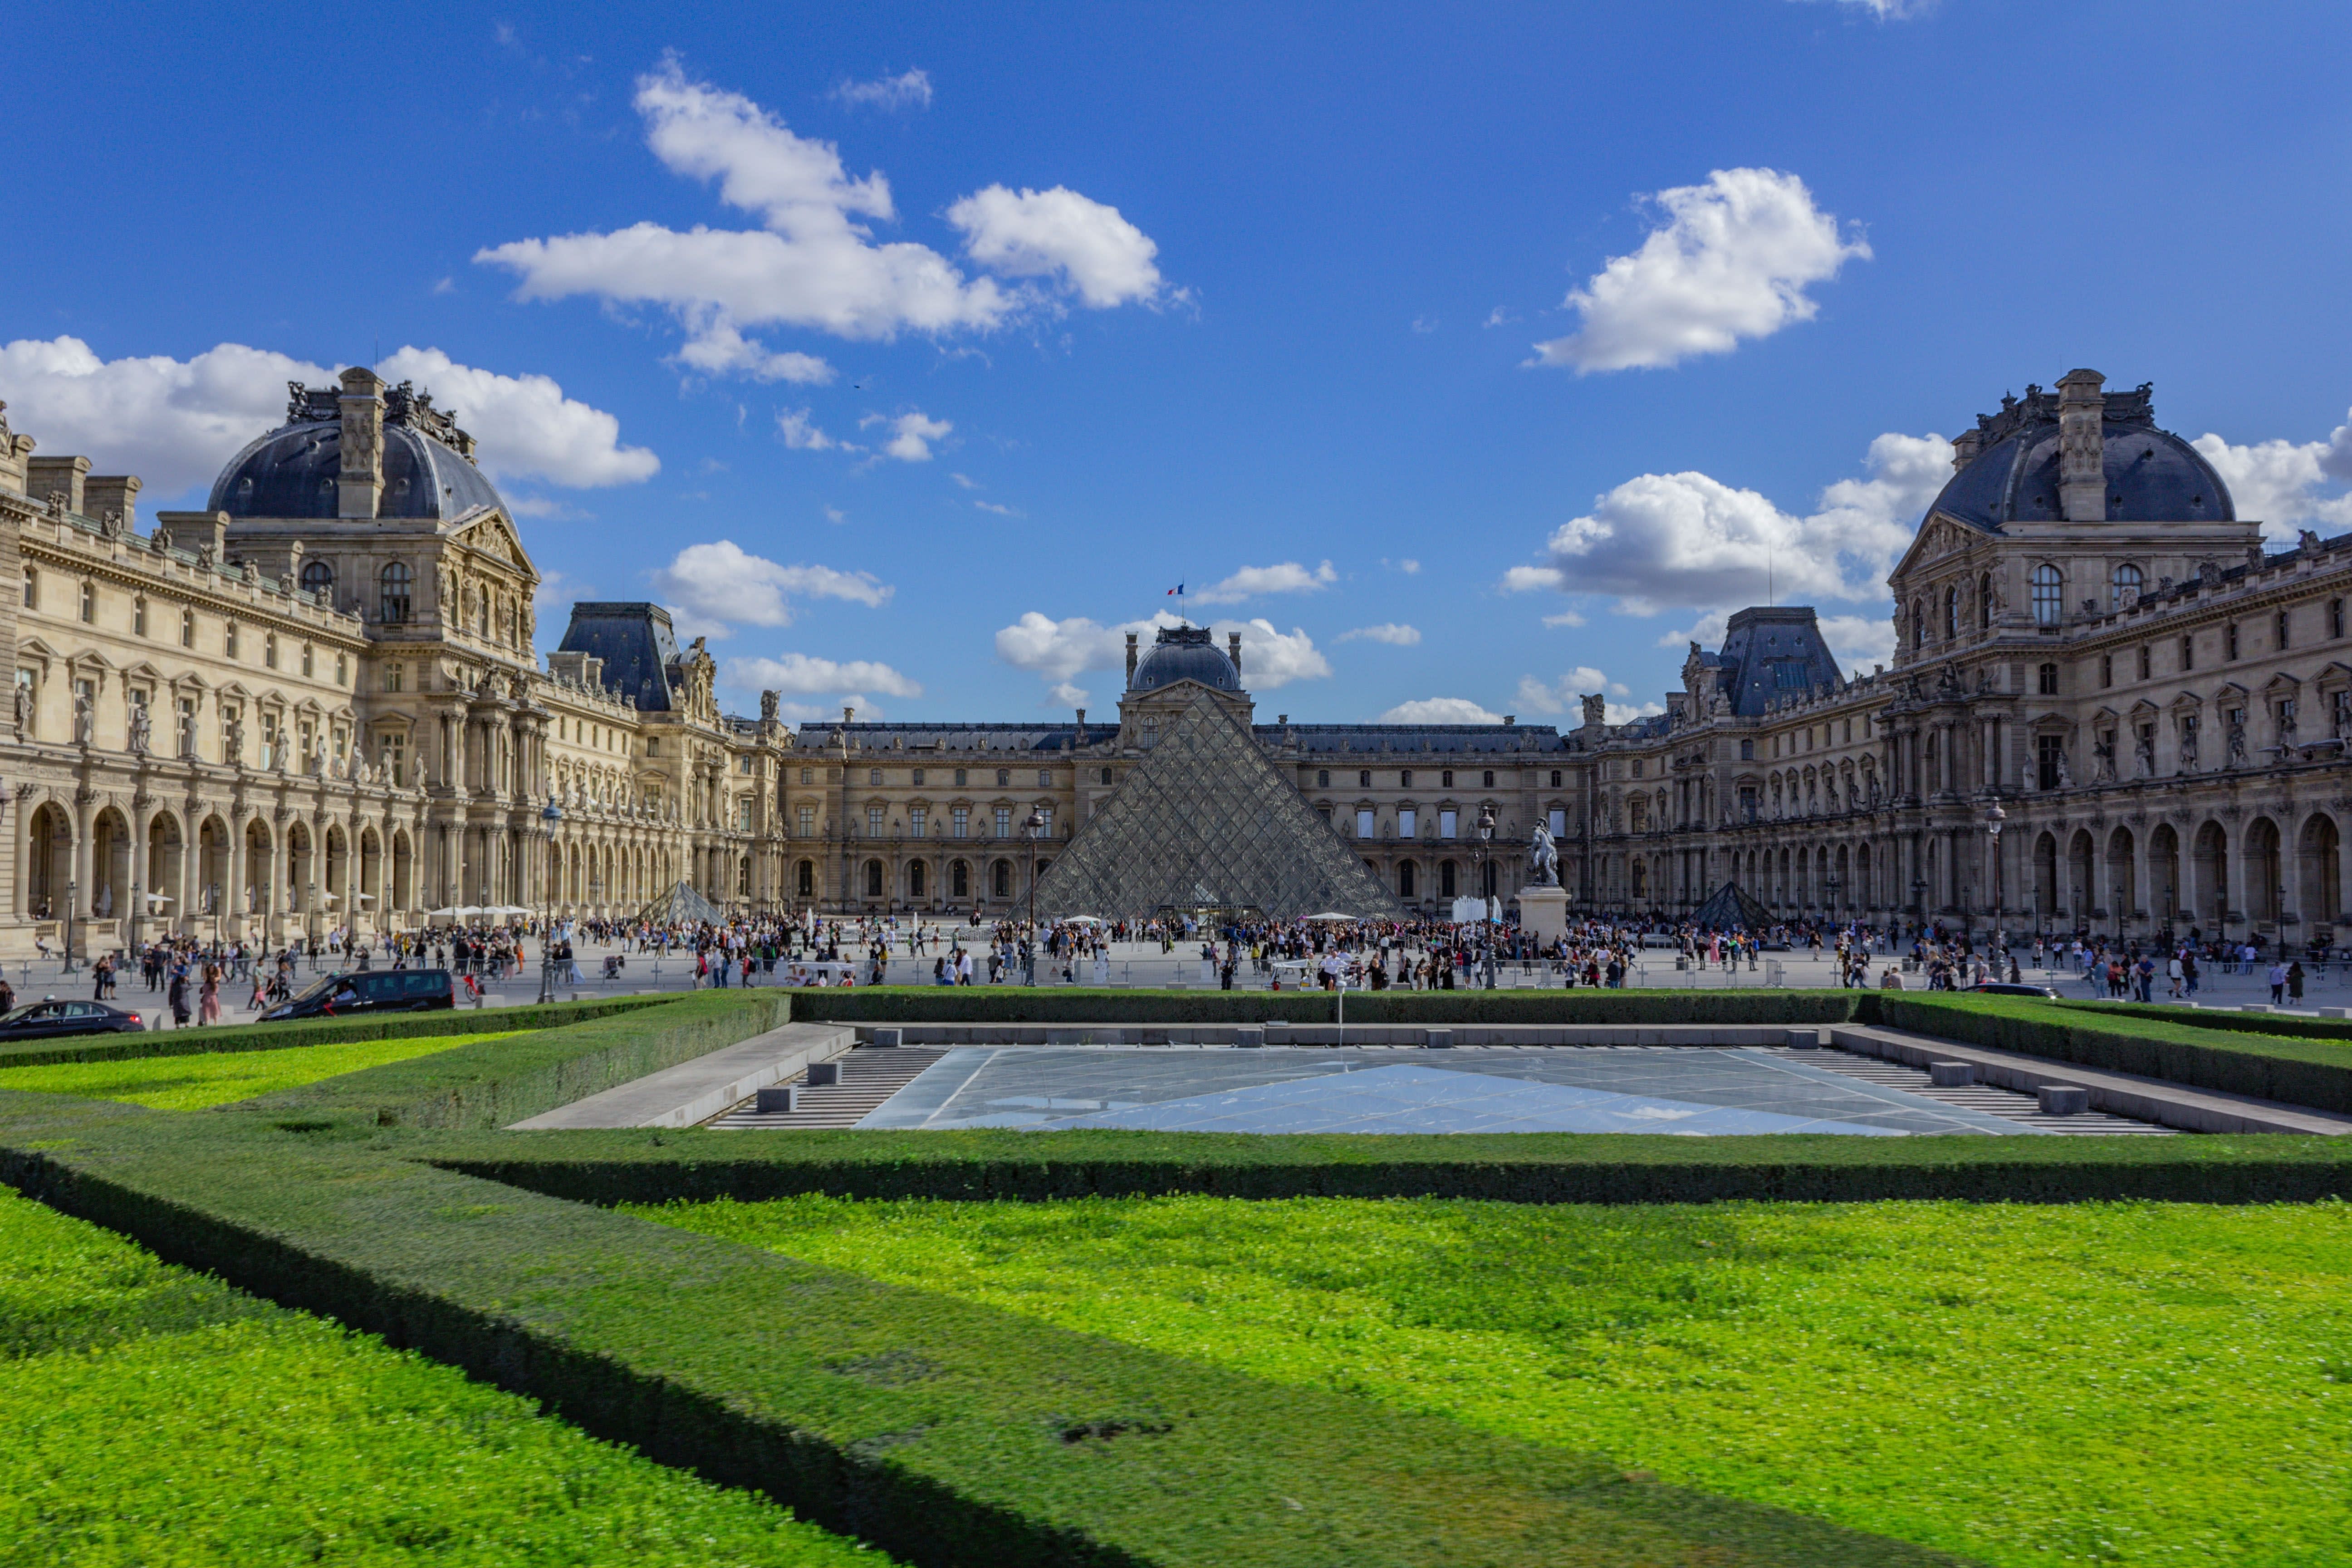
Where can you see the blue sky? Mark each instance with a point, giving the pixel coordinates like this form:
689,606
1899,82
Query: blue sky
1466,360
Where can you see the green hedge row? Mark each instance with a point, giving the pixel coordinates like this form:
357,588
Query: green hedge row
493,1083
1075,1005
2228,1022
947,1433
2317,1073
312,1032
654,1167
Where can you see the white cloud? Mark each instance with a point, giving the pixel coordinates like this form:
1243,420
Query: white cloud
1890,10
1565,619
525,426
721,582
802,674
1439,710
1567,694
798,428
965,482
1860,639
911,88
1289,577
2284,485
998,511
1390,632
814,264
555,594
1689,540
1425,324
1060,650
1068,695
1059,233
175,422
911,435
1498,317
1732,261
835,515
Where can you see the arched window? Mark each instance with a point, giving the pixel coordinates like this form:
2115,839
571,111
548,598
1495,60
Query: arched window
807,881
2049,590
2127,582
1004,878
1952,612
914,880
1404,880
395,580
874,878
318,577
1984,602
959,880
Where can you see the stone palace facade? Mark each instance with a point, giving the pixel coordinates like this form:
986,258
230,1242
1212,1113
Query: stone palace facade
317,702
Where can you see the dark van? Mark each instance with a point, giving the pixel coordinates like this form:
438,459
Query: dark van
374,991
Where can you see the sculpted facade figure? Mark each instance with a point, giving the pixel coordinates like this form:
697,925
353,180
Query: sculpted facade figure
1543,859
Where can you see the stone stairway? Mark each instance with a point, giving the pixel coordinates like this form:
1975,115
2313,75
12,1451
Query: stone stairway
869,1074
2007,1104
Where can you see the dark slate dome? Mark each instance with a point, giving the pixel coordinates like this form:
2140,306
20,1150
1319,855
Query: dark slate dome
1185,653
290,472
2153,476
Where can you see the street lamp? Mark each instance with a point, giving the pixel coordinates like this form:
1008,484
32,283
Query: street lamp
1035,827
1994,818
1485,892
549,819
73,900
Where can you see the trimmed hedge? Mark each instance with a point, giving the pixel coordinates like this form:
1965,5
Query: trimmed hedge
2227,1021
947,1433
2268,1067
495,1083
313,1032
1077,1004
644,1166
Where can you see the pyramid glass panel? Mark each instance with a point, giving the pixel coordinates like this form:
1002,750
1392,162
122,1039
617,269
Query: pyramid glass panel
1729,907
1205,823
682,906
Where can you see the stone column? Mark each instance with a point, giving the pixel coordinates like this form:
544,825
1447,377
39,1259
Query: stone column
84,864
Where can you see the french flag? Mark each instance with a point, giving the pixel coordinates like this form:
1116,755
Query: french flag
1177,591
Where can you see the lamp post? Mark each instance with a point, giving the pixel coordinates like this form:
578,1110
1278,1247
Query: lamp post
310,903
549,819
1486,895
1033,829
73,900
1994,818
1830,884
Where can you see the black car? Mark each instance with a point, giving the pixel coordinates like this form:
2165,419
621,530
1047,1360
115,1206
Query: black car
2003,988
344,996
46,1020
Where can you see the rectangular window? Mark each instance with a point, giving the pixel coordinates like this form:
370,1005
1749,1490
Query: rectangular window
960,821
873,816
342,669
960,778
90,604
228,640
1747,754
2230,640
918,777
807,819
1486,779
391,753
1364,779
873,777
808,775
2188,654
139,617
1447,821
1004,822
743,814
393,676
268,742
1408,821
1047,813
32,589
1555,773
1558,825
1445,777
1364,821
187,726
85,701
2147,658
2334,617
916,816
1044,778
306,661
2107,670
269,649
1404,779
232,723
2280,631
187,628
2047,750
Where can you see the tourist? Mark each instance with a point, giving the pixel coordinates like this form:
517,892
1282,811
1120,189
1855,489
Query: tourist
2294,982
2278,983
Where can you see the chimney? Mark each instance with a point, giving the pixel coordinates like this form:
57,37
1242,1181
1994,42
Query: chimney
45,476
193,531
1130,660
1082,726
361,482
2082,448
1965,447
112,493
1233,650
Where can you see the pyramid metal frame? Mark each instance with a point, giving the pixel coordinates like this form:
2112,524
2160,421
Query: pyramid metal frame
681,904
1729,907
1206,822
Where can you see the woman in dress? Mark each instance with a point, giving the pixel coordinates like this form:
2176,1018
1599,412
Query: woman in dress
208,997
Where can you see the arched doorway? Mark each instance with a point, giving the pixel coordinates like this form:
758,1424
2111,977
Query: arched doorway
2209,860
2263,888
2163,873
2123,890
2045,875
2082,887
49,867
2318,871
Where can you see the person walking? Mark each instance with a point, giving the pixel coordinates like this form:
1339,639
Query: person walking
2278,984
208,997
2294,983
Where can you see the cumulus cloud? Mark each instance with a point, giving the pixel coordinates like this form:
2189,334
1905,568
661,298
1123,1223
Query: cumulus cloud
1289,577
1565,618
908,89
524,424
1059,650
718,586
1388,632
798,428
2287,485
814,262
1732,260
1888,10
1567,694
1105,259
1439,710
555,595
1689,540
998,508
911,435
804,674
175,422
1068,695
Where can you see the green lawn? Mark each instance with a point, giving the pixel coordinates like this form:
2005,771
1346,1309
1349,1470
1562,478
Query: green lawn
2091,1384
199,1082
154,1416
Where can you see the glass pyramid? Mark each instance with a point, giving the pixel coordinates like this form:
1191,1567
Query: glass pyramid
1207,825
682,906
1729,907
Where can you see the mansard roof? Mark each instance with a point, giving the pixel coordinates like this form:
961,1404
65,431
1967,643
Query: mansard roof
637,645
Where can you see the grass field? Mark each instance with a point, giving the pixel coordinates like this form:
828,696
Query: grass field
2103,1384
200,1082
155,1417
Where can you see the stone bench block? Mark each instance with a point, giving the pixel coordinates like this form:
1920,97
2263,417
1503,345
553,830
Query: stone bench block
2062,1100
1951,1075
782,1097
823,1072
888,1039
1804,1039
1438,1039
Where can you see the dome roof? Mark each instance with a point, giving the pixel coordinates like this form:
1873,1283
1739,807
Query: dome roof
292,472
1185,653
2152,475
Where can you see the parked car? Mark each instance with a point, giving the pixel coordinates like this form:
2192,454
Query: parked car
346,995
2003,988
45,1020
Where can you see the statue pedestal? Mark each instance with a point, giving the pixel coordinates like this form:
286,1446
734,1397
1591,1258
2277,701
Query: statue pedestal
1543,913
